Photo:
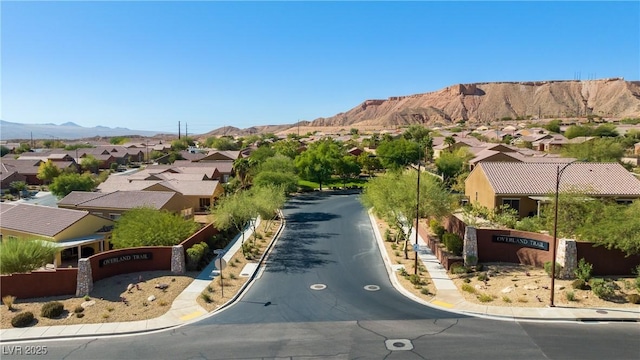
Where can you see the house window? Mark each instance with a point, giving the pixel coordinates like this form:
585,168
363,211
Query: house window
205,203
513,203
624,201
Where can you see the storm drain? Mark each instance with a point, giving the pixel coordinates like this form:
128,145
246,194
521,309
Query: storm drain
318,287
398,344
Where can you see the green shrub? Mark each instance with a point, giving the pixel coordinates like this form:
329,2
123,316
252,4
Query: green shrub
483,277
87,298
387,236
206,297
532,224
466,281
579,284
506,299
415,279
194,254
638,283
633,298
479,267
570,296
547,269
583,271
403,272
458,269
52,309
485,298
23,255
602,288
78,309
425,291
453,243
22,320
439,231
468,288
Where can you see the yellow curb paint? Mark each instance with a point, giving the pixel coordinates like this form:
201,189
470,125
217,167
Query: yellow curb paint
442,303
191,316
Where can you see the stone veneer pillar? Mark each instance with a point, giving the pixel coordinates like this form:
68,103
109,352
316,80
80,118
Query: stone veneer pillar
177,260
84,283
567,257
470,246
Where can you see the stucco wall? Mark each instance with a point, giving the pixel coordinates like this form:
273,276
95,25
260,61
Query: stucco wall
39,283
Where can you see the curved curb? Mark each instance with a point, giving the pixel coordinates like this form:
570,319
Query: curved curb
396,284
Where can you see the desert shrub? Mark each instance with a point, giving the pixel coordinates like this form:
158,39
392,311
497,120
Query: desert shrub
206,297
425,291
579,284
232,276
485,298
439,231
506,299
78,309
468,288
603,289
87,298
466,281
583,270
571,296
387,236
415,279
105,315
79,315
547,269
633,298
394,246
532,224
479,267
638,283
22,320
8,301
453,243
483,277
458,269
403,272
52,309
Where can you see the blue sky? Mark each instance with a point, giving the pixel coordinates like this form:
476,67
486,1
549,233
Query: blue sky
148,65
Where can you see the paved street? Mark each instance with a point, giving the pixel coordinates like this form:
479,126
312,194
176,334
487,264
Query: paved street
325,294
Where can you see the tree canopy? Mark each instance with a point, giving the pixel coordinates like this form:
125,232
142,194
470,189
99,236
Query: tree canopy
393,197
318,161
64,184
595,150
397,154
47,171
150,227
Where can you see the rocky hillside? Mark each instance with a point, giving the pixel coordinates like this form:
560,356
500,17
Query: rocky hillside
485,102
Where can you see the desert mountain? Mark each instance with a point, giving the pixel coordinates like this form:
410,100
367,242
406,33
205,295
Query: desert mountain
486,102
68,130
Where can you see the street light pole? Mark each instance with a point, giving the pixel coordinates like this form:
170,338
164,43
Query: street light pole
559,172
415,265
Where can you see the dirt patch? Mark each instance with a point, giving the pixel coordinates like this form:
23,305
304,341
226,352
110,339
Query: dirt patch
110,301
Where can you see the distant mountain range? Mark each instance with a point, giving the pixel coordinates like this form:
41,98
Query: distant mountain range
66,131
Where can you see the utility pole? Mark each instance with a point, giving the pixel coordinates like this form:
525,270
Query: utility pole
179,129
186,132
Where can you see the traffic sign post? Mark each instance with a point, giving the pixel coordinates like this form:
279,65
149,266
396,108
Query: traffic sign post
220,263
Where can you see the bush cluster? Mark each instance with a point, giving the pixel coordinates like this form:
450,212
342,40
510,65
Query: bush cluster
604,289
547,269
52,309
195,254
437,229
579,284
22,320
453,243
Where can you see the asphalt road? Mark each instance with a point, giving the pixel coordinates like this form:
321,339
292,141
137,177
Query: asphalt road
329,241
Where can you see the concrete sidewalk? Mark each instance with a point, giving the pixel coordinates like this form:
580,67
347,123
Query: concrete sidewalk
449,298
185,308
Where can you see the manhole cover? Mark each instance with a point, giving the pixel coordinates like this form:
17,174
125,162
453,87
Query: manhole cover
372,287
318,287
398,344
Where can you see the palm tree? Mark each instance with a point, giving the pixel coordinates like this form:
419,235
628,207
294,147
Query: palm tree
450,141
